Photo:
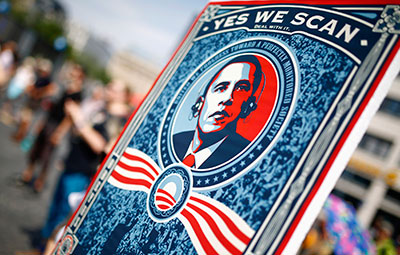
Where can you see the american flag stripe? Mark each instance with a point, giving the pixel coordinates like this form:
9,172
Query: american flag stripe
236,225
167,194
216,230
137,164
162,200
132,174
135,169
163,207
212,227
222,226
124,186
130,181
136,155
200,241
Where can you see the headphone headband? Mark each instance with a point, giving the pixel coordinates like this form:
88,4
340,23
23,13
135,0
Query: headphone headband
248,106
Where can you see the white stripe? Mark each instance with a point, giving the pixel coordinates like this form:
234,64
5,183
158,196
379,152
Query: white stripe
240,223
192,235
165,196
209,234
135,163
144,156
222,226
132,175
124,186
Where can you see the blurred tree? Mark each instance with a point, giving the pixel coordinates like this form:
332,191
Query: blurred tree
90,65
49,28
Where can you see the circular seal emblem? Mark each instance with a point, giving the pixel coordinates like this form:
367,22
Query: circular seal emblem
169,193
230,111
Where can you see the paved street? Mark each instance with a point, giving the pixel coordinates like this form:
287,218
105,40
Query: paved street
22,212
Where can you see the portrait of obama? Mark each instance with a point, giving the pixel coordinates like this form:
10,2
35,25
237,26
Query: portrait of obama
228,97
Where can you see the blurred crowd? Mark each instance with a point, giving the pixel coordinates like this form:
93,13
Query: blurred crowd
50,110
380,238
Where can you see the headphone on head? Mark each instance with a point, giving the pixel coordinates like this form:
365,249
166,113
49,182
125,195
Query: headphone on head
247,107
196,107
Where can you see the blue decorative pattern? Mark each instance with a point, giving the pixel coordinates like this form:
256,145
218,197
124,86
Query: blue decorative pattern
122,214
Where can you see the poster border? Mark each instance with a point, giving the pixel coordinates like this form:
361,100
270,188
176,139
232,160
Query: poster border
343,144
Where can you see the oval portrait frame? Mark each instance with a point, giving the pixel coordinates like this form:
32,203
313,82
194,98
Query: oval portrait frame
179,115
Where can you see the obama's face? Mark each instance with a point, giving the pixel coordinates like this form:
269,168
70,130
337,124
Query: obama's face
224,98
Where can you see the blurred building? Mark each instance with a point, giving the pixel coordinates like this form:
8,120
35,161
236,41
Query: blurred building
84,42
138,73
371,181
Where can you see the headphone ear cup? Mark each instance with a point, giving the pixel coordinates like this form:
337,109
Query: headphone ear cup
197,106
248,106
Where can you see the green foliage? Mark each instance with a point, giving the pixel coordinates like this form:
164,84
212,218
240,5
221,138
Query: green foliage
47,28
19,15
90,65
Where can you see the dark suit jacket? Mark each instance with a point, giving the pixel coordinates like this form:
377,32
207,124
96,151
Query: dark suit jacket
228,149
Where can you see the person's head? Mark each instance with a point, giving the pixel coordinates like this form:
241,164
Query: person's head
10,45
229,95
76,78
77,72
385,231
98,92
29,62
117,91
45,67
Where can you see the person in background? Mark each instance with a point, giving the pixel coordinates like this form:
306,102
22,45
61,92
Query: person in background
317,241
384,242
92,136
24,76
118,109
52,131
8,62
39,95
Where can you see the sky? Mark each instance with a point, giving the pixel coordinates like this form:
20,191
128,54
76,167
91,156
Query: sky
151,29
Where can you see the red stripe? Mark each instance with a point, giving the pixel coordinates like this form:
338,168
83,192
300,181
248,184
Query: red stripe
136,169
214,227
164,199
199,232
231,225
132,181
133,157
167,194
163,207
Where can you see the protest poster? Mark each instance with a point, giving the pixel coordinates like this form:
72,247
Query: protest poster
244,133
